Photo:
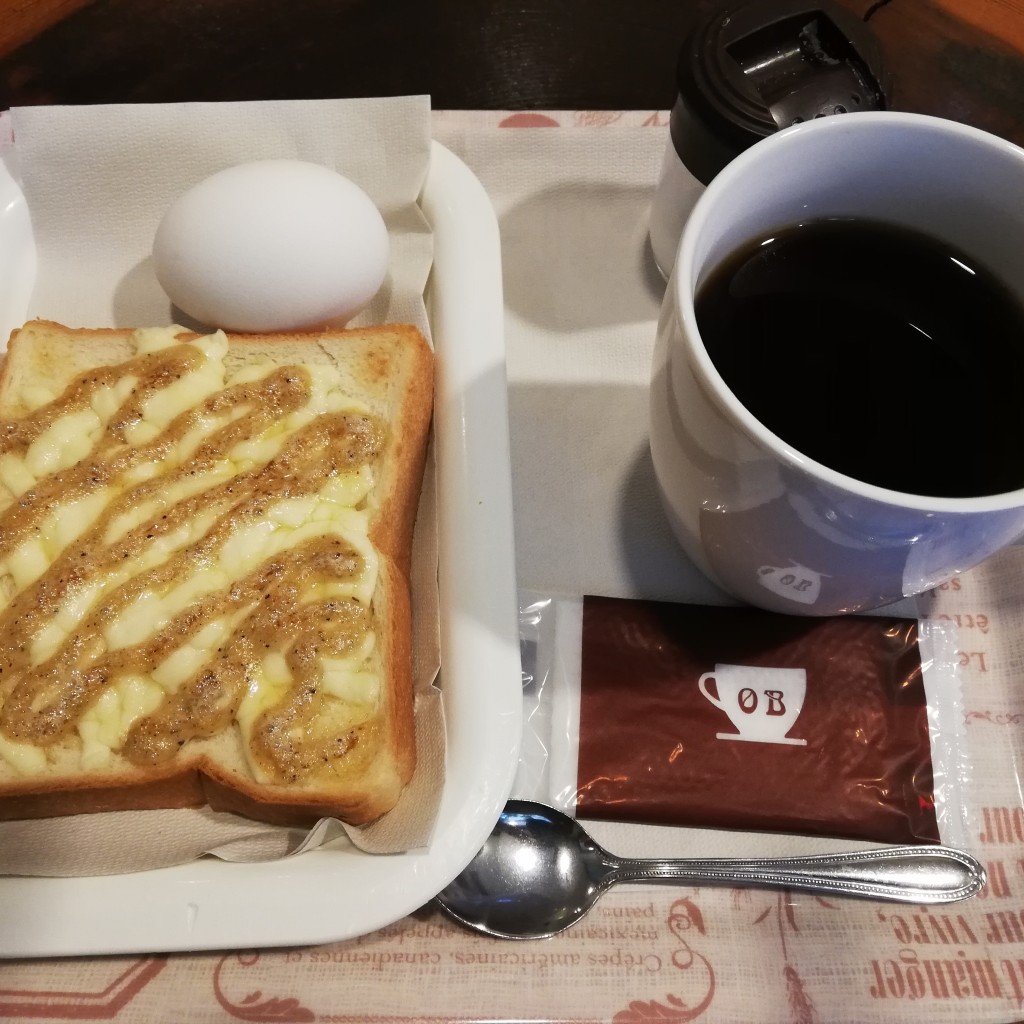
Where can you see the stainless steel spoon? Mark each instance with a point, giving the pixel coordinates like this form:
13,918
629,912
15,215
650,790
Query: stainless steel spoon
539,872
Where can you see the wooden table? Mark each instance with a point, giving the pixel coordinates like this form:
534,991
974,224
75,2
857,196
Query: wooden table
962,59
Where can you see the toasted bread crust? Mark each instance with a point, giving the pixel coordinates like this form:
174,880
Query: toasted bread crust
390,368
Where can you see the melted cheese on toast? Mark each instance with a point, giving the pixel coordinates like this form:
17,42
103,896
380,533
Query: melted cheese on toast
185,550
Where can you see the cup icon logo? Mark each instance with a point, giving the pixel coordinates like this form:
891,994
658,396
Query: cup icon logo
763,704
795,582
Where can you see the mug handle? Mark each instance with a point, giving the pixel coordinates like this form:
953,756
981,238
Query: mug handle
702,685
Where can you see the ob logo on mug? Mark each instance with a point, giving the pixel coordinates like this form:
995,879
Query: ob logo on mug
762,703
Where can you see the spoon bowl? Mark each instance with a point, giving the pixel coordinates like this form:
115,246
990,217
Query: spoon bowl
540,872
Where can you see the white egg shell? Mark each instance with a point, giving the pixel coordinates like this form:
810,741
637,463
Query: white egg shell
273,245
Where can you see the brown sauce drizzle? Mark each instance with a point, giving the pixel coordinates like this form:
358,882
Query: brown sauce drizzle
152,371
42,704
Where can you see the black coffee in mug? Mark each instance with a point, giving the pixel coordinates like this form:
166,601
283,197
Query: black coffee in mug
875,350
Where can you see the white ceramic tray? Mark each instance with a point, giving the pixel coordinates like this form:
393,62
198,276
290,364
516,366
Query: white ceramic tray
328,895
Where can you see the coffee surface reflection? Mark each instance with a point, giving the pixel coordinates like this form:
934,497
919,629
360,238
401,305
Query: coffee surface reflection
849,339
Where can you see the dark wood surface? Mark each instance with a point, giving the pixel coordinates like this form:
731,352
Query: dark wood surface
962,59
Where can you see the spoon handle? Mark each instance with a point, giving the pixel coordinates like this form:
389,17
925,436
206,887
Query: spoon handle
905,874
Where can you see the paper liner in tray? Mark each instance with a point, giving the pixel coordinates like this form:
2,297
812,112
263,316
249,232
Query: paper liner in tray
96,181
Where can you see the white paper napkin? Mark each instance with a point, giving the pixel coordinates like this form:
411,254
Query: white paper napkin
582,295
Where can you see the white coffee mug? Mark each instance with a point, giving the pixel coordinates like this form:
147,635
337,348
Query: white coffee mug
766,523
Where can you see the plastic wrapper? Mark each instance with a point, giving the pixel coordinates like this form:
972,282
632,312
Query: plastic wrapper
735,718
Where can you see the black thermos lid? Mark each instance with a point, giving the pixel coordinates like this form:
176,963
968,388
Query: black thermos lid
754,68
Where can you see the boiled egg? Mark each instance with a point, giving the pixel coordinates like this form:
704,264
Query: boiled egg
273,245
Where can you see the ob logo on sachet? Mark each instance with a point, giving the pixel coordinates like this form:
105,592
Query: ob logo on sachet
762,703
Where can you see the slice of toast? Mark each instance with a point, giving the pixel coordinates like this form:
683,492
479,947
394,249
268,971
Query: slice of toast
204,562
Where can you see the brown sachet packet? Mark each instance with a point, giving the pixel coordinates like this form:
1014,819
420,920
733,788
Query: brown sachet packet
742,719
